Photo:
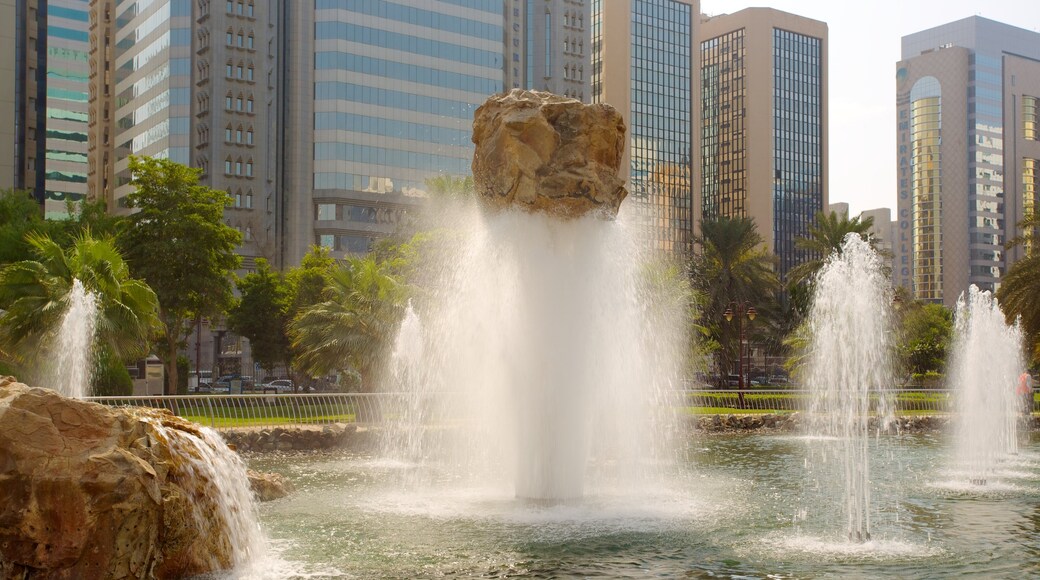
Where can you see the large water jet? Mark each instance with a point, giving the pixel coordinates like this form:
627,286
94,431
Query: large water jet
70,360
541,330
984,368
849,370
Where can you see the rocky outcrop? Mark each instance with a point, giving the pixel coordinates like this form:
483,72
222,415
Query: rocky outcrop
546,153
269,486
88,491
336,436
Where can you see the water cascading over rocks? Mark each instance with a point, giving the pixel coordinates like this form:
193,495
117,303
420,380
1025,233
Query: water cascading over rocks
88,491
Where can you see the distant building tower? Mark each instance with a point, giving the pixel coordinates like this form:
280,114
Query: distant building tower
380,96
8,93
44,68
967,152
548,44
642,65
763,109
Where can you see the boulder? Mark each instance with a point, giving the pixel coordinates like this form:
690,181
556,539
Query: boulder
88,491
541,152
269,486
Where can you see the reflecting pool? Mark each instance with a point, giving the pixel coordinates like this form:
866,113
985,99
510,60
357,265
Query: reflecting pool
744,506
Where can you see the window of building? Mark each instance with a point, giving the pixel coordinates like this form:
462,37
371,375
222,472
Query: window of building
238,199
249,42
227,166
249,200
227,102
228,68
249,234
249,74
227,134
238,104
230,6
240,40
238,72
249,168
1030,112
327,241
249,137
238,167
548,43
249,9
229,37
238,135
249,105
238,7
326,212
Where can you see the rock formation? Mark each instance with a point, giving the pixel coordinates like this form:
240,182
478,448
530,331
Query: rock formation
88,491
543,152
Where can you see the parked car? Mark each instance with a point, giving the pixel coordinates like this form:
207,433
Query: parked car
278,386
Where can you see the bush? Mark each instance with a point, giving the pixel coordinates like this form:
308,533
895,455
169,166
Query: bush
111,379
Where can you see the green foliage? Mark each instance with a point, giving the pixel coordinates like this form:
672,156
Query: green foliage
355,324
111,379
825,238
178,242
733,266
34,298
19,215
1020,288
926,331
262,315
306,283
450,187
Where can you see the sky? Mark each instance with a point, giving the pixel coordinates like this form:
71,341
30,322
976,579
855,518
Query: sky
864,47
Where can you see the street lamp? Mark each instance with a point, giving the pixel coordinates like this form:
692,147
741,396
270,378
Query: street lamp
749,310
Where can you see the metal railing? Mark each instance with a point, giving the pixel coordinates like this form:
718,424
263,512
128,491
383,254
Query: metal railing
316,409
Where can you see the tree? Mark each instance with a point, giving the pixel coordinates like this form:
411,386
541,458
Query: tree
262,315
34,298
450,187
178,242
732,266
826,238
19,215
926,331
1020,288
354,325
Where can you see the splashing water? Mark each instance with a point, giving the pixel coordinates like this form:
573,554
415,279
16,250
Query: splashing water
850,372
72,350
207,458
542,345
405,436
984,370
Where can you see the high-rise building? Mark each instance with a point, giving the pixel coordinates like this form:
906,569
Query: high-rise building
884,231
547,46
8,68
763,115
642,65
967,151
47,99
380,97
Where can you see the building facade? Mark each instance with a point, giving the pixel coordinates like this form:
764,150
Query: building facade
966,152
642,65
382,97
8,69
763,115
548,44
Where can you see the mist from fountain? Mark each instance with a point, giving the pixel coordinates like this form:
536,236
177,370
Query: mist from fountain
542,344
70,363
849,375
984,368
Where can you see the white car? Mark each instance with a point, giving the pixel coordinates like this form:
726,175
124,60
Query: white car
280,386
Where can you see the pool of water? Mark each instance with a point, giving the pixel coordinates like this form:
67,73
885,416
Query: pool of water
740,506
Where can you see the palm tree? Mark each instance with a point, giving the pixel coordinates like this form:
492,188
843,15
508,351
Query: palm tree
34,298
826,238
1020,288
354,326
732,267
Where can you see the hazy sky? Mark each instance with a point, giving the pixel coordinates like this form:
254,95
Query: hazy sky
864,48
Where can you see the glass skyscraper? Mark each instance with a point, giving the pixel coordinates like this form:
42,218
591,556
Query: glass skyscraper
383,97
654,95
966,152
763,82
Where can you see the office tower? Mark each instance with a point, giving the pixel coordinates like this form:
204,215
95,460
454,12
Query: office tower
641,64
884,231
8,66
45,66
967,151
380,96
194,82
547,46
763,149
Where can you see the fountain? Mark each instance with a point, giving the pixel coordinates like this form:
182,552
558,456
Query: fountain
983,371
539,328
849,370
70,363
